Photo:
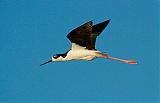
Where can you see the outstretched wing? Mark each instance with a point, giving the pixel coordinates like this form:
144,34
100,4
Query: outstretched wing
81,35
96,30
85,35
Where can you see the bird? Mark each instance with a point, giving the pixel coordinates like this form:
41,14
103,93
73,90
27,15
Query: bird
83,39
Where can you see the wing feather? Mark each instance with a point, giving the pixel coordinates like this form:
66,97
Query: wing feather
85,35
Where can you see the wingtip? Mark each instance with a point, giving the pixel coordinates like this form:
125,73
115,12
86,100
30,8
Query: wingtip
108,20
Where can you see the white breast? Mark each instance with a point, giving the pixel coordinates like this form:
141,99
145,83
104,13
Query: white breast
78,52
81,54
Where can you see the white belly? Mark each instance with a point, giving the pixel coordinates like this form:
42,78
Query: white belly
88,58
83,54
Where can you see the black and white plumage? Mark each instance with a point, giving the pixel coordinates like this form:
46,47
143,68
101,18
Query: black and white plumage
83,40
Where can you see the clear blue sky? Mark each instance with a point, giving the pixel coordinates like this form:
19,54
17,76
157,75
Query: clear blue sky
31,31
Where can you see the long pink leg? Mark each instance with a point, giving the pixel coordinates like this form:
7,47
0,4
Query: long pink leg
121,60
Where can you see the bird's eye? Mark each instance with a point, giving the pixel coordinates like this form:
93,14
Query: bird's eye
55,57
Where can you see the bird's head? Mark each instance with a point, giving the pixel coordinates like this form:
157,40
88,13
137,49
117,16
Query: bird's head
55,58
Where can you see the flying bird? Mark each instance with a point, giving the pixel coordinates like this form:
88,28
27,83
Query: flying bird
83,39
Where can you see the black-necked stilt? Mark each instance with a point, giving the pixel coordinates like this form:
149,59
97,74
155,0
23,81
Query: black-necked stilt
83,40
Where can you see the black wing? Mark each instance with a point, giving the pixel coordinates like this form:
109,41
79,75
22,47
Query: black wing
85,35
96,30
81,35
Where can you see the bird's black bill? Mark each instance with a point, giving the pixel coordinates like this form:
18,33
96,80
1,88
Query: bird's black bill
46,62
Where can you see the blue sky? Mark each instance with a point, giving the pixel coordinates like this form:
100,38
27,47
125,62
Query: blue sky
34,30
